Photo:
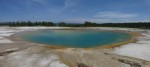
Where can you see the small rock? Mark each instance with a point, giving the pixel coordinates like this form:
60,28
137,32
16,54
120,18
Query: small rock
81,65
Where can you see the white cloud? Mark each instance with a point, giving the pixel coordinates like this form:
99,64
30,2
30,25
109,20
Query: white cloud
39,1
114,15
111,16
70,4
82,20
102,20
107,16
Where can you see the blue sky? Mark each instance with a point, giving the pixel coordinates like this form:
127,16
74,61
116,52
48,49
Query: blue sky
75,11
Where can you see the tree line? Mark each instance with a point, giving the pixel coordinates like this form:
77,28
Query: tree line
29,23
145,25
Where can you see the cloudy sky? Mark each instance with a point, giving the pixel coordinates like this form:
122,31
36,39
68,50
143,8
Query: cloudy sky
75,11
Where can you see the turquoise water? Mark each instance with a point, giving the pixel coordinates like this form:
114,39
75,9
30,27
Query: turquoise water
76,38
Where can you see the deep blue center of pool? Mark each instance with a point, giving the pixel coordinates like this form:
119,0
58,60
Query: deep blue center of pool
76,38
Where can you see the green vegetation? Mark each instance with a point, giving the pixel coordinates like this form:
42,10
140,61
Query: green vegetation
29,23
4,24
145,25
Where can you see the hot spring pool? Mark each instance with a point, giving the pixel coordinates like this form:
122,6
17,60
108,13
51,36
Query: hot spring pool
76,38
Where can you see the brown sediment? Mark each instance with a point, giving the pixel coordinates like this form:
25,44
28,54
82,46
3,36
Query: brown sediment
66,62
54,47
